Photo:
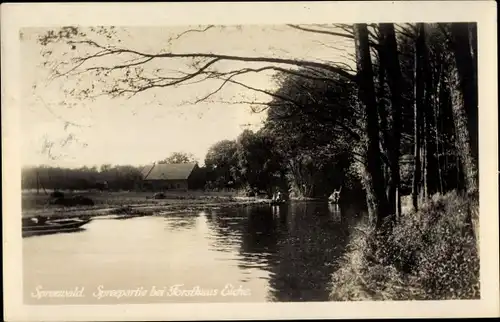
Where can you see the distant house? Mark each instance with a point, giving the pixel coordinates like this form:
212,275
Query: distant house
179,176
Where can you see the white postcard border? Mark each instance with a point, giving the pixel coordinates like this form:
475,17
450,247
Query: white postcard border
16,16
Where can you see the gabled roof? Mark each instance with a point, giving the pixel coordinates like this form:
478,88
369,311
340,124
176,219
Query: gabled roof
164,171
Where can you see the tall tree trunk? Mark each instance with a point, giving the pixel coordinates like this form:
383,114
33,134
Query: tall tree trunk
473,50
385,143
37,183
283,183
438,80
382,108
459,171
418,107
464,101
430,171
374,183
465,150
395,81
424,161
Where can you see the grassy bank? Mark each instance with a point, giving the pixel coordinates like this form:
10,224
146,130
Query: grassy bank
431,254
132,202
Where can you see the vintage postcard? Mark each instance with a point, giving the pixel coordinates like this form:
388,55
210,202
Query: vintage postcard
249,160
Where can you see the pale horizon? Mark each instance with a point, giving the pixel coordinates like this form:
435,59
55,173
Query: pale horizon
155,123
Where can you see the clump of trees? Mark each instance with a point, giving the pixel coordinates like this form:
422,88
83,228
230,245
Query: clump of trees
118,177
105,177
179,157
312,118
221,163
305,145
249,162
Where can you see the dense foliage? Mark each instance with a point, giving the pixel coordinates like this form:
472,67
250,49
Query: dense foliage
107,176
55,178
431,255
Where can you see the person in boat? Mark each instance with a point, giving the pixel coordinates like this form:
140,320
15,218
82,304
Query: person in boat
335,196
277,197
41,220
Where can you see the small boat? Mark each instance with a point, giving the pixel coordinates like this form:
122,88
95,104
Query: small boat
277,202
128,216
277,199
43,225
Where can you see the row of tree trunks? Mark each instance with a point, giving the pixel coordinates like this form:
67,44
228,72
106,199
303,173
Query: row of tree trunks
429,81
383,199
427,178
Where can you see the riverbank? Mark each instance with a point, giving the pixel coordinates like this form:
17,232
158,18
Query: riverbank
135,203
431,254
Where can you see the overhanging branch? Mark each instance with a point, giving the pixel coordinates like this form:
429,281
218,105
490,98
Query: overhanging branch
292,62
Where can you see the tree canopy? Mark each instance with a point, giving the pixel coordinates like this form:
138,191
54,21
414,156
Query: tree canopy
179,157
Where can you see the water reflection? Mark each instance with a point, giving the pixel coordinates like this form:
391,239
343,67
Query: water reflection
281,253
260,234
306,260
298,245
335,212
180,221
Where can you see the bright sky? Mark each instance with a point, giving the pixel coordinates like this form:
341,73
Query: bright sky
155,123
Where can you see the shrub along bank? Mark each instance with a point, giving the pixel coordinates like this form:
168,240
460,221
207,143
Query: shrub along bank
430,254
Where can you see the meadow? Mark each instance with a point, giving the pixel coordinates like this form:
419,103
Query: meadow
109,202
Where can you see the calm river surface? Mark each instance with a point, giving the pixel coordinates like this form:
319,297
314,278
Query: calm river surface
250,254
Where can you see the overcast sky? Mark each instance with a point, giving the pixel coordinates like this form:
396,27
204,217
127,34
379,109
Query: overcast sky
155,123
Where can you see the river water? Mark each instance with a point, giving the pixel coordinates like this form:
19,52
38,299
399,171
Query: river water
241,254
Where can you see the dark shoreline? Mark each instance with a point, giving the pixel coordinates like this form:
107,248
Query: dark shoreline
139,209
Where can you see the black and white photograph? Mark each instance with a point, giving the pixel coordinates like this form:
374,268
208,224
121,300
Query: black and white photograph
255,163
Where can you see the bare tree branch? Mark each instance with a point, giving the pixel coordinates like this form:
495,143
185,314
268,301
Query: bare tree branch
275,95
192,30
277,69
292,62
66,122
352,133
134,75
331,33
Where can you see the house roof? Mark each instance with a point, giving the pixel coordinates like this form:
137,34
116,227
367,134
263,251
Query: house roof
164,171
